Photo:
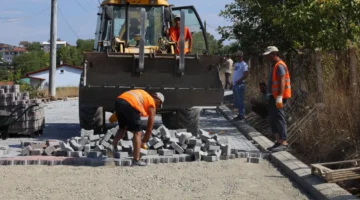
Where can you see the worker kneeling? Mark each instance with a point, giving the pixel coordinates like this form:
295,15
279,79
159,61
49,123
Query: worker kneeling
129,106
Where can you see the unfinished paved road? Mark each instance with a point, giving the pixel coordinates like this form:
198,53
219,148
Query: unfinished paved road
231,179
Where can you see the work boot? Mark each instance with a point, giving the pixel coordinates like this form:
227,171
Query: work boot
138,163
280,147
276,144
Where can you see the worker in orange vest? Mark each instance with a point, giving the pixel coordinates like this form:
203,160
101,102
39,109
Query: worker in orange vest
279,91
129,107
174,36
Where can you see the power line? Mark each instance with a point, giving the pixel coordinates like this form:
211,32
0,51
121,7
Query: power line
78,3
10,19
67,22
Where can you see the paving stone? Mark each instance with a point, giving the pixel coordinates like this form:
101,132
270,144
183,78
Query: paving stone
61,153
87,148
75,154
214,148
121,155
36,152
143,152
155,132
184,146
126,162
153,141
99,148
33,162
65,147
84,141
26,151
164,132
152,152
204,135
184,136
158,145
94,154
189,151
49,150
226,149
253,160
166,152
94,137
86,133
177,148
54,143
210,158
19,162
126,143
165,159
173,139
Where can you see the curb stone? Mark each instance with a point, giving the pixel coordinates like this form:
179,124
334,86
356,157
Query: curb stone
289,164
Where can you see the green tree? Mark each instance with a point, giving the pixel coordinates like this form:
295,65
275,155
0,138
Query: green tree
199,43
69,55
85,45
293,24
31,61
34,46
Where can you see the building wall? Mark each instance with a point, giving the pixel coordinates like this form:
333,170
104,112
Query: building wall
65,77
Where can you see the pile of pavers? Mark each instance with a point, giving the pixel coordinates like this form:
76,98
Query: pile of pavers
30,122
164,146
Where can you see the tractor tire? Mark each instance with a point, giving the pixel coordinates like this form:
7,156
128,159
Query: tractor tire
91,118
187,118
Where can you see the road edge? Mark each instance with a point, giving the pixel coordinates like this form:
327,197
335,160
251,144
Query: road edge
290,165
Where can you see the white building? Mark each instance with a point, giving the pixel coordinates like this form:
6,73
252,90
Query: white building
45,46
65,76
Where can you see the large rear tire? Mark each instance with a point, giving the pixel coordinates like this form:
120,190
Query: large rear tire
91,118
187,118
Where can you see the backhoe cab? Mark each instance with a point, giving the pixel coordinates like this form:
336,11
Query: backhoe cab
132,50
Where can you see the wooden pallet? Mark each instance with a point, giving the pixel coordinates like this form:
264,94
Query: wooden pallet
348,170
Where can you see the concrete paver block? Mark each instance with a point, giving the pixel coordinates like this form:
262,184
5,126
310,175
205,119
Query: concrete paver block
166,152
177,148
49,150
36,152
184,136
210,158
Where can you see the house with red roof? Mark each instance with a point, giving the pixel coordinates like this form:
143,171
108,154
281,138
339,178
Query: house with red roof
65,76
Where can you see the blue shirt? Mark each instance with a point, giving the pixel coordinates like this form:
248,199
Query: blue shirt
239,69
280,71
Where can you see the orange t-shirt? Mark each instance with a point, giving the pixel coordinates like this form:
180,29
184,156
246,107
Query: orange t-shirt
174,35
139,99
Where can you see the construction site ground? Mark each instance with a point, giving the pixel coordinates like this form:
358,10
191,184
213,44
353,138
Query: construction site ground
226,179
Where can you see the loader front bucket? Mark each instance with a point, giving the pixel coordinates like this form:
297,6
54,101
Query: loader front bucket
107,75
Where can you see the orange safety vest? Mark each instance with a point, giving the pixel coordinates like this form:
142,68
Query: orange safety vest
176,38
275,87
139,99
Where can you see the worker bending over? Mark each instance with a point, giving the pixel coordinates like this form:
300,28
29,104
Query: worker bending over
174,36
129,106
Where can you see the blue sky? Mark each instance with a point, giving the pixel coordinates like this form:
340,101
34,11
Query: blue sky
29,20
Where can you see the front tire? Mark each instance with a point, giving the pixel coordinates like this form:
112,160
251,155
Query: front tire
187,118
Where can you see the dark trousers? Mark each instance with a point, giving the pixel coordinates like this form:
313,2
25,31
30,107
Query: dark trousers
227,80
260,109
277,119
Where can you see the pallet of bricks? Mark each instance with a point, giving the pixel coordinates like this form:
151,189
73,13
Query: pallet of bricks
32,121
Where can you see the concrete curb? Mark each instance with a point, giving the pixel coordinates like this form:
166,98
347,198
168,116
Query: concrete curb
289,164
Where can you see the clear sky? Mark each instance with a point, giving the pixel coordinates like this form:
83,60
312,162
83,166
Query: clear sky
29,20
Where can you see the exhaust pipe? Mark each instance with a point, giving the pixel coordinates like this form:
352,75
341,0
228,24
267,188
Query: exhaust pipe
182,43
142,40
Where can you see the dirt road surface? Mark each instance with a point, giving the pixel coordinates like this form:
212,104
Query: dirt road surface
231,179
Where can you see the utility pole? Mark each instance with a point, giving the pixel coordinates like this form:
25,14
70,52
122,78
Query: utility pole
53,36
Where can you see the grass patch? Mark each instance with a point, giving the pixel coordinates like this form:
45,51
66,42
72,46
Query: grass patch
62,92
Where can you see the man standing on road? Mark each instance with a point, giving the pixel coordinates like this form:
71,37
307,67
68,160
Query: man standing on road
279,91
241,72
228,64
129,106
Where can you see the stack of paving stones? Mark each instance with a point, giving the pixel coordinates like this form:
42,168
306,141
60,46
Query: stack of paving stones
164,146
32,121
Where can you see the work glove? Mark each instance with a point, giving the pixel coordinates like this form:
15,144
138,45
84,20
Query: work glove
279,102
143,146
